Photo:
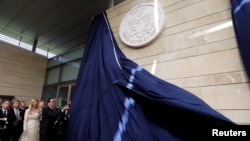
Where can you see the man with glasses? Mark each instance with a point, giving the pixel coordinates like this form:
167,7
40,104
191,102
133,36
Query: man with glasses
48,122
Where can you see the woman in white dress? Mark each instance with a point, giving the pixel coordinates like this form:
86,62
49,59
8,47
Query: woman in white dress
31,123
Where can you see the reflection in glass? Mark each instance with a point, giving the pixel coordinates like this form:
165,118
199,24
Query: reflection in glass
49,92
53,75
62,96
70,71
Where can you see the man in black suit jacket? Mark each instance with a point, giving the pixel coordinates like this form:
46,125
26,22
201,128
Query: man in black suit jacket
48,121
62,123
7,117
18,123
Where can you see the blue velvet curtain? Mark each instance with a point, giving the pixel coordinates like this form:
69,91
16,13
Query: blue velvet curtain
115,99
241,22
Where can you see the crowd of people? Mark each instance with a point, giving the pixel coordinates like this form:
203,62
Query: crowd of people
36,122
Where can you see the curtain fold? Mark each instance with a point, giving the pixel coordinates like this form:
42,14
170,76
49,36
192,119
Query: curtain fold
241,22
115,99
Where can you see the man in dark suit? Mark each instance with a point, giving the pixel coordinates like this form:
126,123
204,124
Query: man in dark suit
48,122
62,123
18,123
7,117
0,102
23,105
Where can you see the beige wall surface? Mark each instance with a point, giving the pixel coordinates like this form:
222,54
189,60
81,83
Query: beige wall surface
22,72
197,50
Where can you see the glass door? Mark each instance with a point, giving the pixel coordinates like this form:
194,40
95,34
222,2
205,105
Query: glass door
64,94
71,93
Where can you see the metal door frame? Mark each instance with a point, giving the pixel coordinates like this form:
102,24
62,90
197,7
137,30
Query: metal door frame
69,91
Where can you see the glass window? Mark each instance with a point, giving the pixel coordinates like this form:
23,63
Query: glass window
53,75
53,61
62,70
65,57
62,96
72,55
49,92
70,71
72,92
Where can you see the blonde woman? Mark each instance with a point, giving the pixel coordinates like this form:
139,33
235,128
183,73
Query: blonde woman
31,123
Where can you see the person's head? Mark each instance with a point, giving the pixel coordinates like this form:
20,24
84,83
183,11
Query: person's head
10,104
23,104
41,104
16,104
5,104
51,103
33,103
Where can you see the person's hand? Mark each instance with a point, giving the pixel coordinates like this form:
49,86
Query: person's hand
66,107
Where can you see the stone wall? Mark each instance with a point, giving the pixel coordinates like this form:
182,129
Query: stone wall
197,51
22,72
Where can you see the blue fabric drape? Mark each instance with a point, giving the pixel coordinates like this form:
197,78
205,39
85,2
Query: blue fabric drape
117,100
241,22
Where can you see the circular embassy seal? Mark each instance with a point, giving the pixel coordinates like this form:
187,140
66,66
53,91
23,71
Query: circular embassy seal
141,25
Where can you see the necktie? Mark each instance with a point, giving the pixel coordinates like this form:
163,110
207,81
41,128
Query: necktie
5,114
16,121
17,114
